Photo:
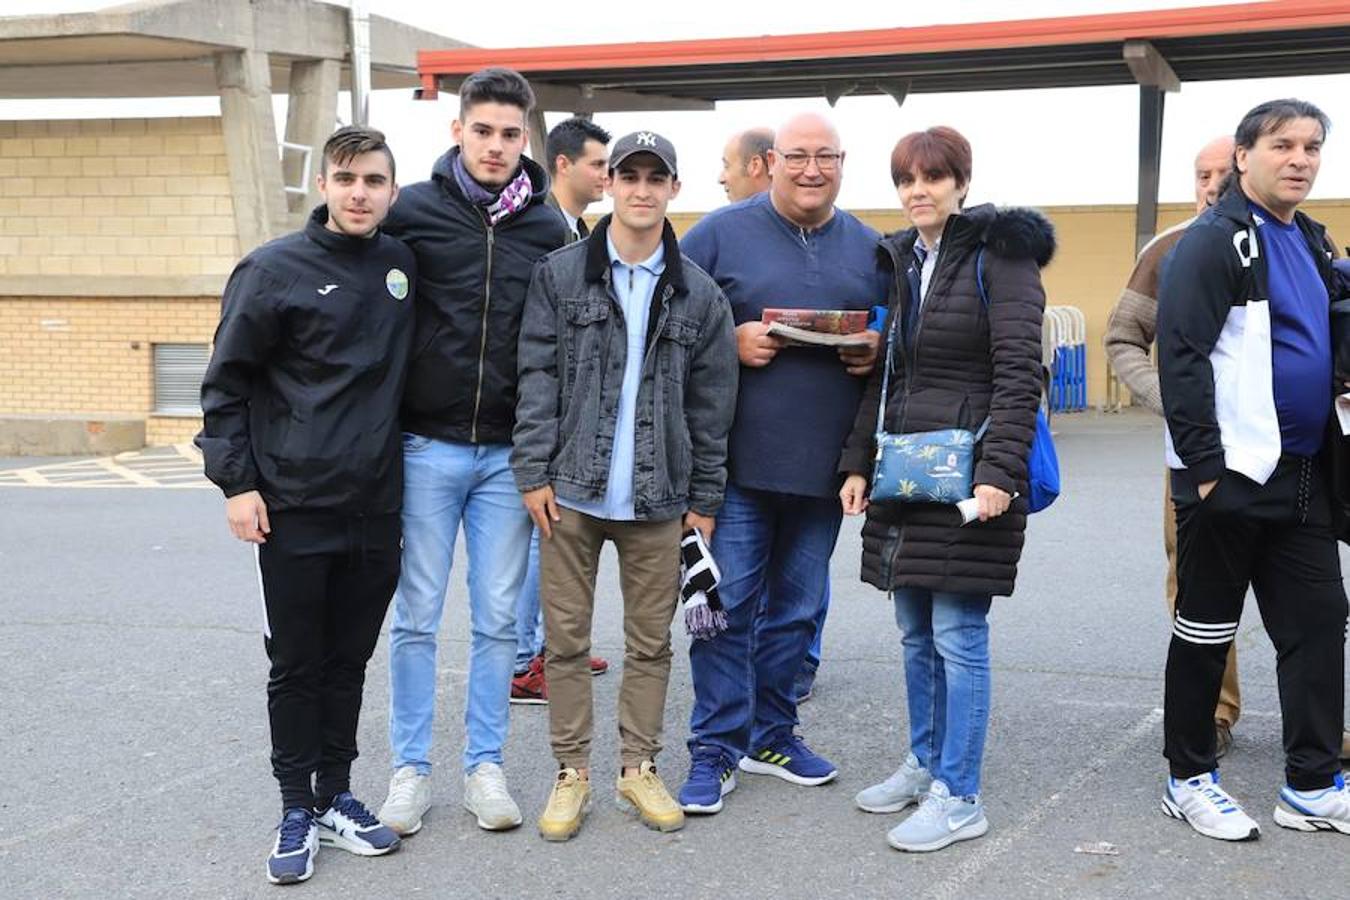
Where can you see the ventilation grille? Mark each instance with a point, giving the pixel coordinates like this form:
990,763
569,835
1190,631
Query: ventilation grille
179,369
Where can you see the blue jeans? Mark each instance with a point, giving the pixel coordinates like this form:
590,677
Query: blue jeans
774,552
529,618
446,485
946,641
813,652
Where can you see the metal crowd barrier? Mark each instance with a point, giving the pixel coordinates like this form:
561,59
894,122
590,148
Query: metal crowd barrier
1064,339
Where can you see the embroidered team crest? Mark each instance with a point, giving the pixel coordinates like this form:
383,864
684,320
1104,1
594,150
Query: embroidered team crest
397,284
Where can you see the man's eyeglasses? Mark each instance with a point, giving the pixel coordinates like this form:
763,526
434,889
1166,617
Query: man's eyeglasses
796,161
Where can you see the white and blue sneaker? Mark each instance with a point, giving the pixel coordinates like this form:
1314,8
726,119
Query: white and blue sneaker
349,825
1208,808
297,843
907,785
940,820
1324,810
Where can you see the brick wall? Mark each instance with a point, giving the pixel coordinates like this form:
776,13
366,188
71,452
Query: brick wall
147,197
94,355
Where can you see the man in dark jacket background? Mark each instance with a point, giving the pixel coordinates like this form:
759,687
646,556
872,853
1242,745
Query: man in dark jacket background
477,228
1245,363
300,432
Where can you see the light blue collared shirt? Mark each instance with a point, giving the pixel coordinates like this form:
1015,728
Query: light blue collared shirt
633,287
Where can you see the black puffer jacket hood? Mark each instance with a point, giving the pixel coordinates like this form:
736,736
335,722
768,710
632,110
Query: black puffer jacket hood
964,362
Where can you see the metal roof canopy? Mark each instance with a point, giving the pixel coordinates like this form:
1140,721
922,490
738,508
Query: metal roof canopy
1156,50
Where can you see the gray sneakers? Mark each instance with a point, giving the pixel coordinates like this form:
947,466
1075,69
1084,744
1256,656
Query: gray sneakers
486,796
940,820
908,785
409,799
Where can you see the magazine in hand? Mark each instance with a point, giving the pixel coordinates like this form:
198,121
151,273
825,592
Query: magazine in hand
819,327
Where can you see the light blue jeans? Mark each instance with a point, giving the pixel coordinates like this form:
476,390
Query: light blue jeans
446,485
946,641
529,617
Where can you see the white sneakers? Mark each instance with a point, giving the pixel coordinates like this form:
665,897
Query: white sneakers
409,799
1208,808
1324,810
486,796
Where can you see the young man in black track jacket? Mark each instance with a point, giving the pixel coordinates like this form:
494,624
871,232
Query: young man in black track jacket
300,408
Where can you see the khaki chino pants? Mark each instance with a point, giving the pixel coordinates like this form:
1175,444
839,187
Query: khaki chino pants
1230,698
649,576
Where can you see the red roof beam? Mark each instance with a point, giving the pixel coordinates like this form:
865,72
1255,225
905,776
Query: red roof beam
1284,15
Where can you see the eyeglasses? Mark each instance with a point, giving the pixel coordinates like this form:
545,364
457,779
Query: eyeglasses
826,161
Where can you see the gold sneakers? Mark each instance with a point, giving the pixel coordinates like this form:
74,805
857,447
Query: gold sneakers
645,795
567,806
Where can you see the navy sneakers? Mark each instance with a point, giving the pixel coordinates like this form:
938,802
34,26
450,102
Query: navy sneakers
349,825
791,760
297,843
712,775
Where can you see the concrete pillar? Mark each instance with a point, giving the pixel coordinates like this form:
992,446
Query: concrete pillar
1150,161
245,85
538,137
311,116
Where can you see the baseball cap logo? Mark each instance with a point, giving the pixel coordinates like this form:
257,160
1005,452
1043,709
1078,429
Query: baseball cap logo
646,139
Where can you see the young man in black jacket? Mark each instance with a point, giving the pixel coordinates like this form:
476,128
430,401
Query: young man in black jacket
300,431
1245,363
477,228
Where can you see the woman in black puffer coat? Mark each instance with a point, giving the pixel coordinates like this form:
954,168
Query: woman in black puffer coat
956,361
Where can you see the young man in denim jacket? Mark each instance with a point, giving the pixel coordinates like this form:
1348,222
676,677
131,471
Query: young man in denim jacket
628,376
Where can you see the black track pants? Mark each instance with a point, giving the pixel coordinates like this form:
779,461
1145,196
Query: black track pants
326,582
1276,538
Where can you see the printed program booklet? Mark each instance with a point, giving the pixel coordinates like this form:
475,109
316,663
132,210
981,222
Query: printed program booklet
819,327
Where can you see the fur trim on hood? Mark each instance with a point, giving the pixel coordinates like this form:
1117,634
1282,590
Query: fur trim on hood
1019,233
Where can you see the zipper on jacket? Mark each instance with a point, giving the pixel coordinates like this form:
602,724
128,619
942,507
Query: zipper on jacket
482,342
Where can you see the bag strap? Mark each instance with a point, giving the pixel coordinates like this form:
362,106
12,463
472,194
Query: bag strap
885,378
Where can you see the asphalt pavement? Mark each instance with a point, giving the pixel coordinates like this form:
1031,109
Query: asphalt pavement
134,743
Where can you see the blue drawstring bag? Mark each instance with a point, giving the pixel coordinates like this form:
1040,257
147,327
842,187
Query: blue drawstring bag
1043,462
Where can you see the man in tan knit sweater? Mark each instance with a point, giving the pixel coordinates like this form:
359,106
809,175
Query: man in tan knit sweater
1130,333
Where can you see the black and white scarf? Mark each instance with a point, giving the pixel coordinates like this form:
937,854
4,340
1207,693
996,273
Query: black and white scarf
704,617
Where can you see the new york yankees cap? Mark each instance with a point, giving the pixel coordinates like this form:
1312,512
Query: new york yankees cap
644,142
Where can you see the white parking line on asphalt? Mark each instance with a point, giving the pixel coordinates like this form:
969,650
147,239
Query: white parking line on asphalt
981,857
176,467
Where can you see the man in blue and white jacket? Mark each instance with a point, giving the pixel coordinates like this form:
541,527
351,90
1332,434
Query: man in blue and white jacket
1245,359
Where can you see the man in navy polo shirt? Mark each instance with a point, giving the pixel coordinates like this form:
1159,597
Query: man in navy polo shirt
787,247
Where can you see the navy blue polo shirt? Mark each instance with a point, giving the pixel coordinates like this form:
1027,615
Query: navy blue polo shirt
793,415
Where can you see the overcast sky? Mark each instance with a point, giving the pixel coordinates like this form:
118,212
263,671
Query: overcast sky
1065,146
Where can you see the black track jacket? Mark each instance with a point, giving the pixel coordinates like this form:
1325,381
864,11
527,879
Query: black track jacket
300,400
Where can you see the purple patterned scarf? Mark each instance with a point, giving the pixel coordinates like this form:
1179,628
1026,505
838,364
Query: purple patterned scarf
510,200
